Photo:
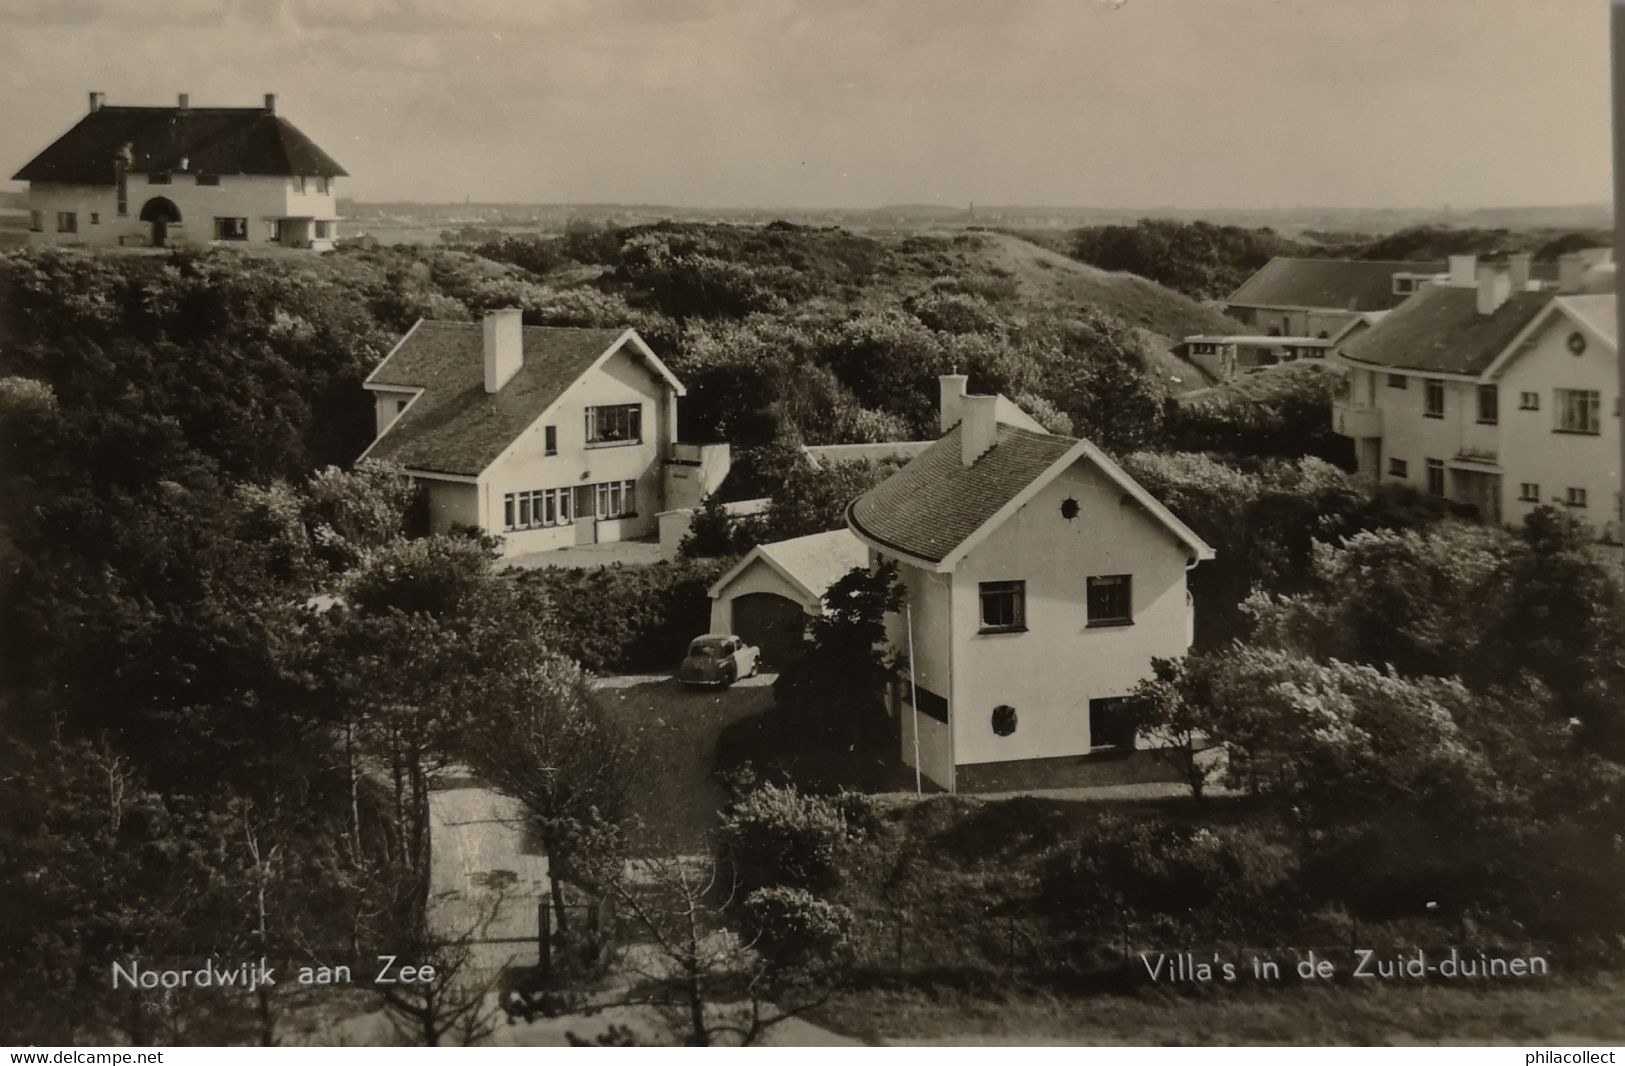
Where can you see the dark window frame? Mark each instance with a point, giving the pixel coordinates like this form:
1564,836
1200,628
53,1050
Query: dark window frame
67,222
1107,735
1528,401
550,440
1109,600
1398,467
1432,390
621,418
1398,381
1435,467
1529,491
1489,405
230,228
995,594
1586,403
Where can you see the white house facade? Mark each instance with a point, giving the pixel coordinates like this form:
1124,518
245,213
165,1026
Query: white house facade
178,176
1491,395
1041,580
546,437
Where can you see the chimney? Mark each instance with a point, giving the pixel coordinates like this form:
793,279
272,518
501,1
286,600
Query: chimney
1518,268
979,429
1494,286
950,409
1463,271
504,346
270,103
1571,272
185,101
97,100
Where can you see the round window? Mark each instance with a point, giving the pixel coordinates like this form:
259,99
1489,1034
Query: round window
1577,343
1069,508
1004,720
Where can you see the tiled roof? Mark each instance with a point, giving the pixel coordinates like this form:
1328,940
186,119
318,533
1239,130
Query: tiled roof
932,505
1440,329
456,427
818,560
1335,284
211,140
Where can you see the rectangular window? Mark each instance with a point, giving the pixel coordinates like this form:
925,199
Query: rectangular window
299,184
324,230
925,701
95,218
36,221
615,424
525,515
550,440
630,498
1574,497
508,508
1004,606
158,177
1489,405
1397,381
276,230
208,179
1529,492
231,229
1111,600
1433,398
1578,410
1111,723
1399,468
1436,477
1528,401
322,186
566,511
67,222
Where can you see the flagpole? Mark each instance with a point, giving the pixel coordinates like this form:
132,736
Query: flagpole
913,694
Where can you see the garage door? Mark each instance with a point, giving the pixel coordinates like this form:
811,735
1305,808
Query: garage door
772,623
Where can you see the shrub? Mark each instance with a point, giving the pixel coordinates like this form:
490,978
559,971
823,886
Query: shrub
780,837
1200,879
793,929
623,619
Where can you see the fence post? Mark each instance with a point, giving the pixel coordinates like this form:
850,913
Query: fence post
544,938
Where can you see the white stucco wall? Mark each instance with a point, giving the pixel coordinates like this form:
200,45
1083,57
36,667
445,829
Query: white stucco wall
1050,672
1532,451
623,378
1409,434
253,197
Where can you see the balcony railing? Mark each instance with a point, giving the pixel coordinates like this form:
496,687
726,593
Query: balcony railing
1360,423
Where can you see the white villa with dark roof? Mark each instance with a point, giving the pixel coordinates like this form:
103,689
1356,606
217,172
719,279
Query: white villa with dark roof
183,175
1488,389
1041,582
546,437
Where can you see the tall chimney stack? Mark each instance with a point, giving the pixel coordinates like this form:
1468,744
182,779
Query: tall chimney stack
270,103
1518,268
1463,271
1571,272
185,101
979,429
504,346
97,100
951,407
1494,286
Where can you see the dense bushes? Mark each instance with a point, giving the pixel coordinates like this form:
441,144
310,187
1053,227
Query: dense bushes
779,836
1170,879
624,619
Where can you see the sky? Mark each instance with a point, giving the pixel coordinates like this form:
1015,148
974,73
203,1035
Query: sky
861,103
